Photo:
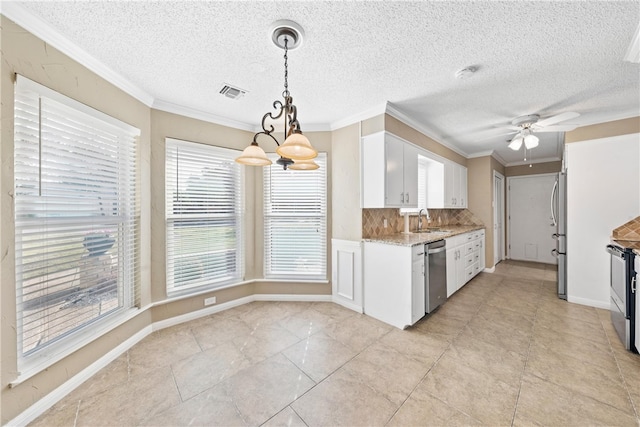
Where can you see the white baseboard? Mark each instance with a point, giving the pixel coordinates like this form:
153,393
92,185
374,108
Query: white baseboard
166,323
590,302
490,270
292,297
345,304
40,406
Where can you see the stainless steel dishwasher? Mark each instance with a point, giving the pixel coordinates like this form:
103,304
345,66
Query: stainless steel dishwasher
435,280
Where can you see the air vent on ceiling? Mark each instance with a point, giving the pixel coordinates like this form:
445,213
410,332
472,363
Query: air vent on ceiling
232,91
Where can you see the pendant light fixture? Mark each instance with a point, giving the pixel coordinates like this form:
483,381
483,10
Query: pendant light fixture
296,152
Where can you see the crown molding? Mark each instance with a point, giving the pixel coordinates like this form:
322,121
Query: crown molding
528,162
395,112
49,35
193,113
490,153
358,117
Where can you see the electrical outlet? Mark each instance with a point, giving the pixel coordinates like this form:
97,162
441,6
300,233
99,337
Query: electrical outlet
210,301
384,223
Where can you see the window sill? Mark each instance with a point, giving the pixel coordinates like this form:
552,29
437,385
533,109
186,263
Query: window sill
37,363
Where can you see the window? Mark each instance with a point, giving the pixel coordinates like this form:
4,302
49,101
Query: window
204,188
423,165
295,222
76,218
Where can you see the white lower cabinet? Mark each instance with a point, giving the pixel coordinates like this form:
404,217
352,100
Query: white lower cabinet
465,259
394,283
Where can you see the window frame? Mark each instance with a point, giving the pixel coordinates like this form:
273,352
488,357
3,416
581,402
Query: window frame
209,152
322,216
127,218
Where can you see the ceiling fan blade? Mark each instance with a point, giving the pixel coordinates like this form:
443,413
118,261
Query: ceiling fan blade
510,127
557,119
559,128
495,135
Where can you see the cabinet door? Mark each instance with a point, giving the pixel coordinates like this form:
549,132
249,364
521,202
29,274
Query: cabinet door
481,259
417,289
394,179
452,281
410,176
462,194
461,274
449,184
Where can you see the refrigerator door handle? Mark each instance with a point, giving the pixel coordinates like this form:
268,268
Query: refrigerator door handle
554,221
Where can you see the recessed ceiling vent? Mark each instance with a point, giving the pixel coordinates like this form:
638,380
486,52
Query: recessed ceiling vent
232,91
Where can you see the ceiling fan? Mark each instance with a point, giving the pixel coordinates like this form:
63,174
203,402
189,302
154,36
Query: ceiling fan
525,126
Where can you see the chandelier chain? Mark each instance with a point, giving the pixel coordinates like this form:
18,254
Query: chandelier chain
286,93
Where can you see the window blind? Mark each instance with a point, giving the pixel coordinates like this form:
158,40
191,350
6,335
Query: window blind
295,222
204,205
76,217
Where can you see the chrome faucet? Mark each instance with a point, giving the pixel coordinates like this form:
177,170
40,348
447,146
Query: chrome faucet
420,218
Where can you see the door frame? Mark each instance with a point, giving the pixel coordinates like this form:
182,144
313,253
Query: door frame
509,178
502,235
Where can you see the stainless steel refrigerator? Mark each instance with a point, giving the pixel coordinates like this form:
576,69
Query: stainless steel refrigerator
559,220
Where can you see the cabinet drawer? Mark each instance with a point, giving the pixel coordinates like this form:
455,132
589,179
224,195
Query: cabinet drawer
469,248
476,268
468,273
469,237
469,260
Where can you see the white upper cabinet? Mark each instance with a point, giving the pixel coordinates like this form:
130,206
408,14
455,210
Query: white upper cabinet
389,172
455,185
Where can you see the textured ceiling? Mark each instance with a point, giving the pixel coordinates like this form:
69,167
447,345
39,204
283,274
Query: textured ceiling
533,57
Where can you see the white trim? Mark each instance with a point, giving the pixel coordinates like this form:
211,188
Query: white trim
359,117
589,302
46,402
187,317
395,112
25,83
492,153
347,304
534,161
503,213
83,338
490,270
292,297
43,30
40,406
169,107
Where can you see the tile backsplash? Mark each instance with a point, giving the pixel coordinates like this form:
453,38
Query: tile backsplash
629,231
373,220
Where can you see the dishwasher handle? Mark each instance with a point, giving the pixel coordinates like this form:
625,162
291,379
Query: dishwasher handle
437,250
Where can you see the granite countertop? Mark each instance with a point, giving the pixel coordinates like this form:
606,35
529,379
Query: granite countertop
401,239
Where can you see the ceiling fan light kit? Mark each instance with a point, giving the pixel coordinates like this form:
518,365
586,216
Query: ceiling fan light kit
526,125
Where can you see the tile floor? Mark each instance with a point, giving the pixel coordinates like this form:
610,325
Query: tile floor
502,351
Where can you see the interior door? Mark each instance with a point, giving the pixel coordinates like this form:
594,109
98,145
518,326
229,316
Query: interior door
498,218
530,227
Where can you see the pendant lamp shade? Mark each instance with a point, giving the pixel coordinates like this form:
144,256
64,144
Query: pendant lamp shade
253,155
516,143
304,165
531,141
297,147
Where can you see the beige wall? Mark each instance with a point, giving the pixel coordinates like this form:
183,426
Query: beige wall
535,169
25,54
604,130
396,127
373,125
346,212
480,188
